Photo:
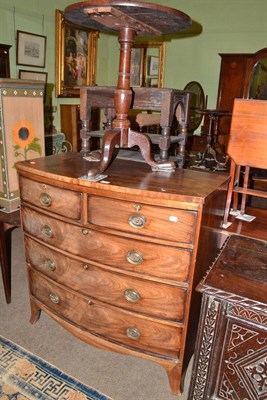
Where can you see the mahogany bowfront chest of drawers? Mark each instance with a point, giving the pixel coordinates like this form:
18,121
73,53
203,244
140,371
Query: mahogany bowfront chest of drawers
115,262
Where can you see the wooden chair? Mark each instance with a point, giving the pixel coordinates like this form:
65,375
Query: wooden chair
247,148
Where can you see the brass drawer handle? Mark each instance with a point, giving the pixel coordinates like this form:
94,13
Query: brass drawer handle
49,264
47,231
133,333
45,199
132,295
85,231
134,257
54,298
137,221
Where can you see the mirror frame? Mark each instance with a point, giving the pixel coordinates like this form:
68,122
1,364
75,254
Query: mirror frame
195,120
146,80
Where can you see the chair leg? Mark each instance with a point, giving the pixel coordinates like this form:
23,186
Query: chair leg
229,193
245,186
236,182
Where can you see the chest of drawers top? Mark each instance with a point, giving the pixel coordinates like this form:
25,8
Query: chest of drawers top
182,188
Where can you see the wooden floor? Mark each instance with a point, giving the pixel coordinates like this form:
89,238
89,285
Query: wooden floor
256,229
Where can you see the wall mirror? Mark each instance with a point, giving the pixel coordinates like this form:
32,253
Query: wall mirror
147,64
197,102
258,80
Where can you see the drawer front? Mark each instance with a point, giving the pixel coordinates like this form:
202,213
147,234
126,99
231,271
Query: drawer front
127,254
60,201
110,322
138,295
141,219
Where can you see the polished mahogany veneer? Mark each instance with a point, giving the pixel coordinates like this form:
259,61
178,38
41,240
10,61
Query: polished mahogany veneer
116,261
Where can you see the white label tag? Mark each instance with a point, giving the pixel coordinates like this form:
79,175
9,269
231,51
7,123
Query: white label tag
173,218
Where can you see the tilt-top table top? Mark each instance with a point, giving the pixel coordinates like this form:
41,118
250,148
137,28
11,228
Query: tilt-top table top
112,16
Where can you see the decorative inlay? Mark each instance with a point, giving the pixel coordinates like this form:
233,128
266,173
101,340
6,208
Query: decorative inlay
257,315
205,350
258,375
227,391
239,335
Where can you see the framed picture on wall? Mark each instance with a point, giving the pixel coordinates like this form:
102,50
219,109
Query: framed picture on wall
153,65
76,53
33,75
31,49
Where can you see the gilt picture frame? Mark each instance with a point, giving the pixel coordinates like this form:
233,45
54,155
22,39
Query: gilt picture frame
76,57
31,49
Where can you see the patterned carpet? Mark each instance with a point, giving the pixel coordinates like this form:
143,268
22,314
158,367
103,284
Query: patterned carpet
24,376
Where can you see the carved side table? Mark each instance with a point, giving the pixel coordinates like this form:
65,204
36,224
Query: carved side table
231,352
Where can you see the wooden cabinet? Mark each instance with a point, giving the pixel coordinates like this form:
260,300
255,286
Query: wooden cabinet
71,125
115,262
234,82
231,351
4,61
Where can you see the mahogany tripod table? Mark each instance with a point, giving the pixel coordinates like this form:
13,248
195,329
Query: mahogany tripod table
129,19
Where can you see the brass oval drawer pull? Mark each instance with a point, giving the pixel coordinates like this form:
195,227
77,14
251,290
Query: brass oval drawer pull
137,221
85,231
132,295
49,264
133,333
54,298
134,257
86,266
47,231
45,199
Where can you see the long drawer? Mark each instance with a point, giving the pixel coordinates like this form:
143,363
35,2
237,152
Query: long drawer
159,222
122,253
59,201
110,322
147,297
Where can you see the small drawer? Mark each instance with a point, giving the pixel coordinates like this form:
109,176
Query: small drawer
122,253
165,301
159,222
60,201
112,323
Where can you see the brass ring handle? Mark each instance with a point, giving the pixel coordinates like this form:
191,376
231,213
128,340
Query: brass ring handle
47,231
54,298
49,264
133,333
137,221
132,295
45,199
134,257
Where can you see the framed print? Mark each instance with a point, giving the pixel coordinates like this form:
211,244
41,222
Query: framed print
153,82
31,49
137,59
76,54
33,75
153,65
